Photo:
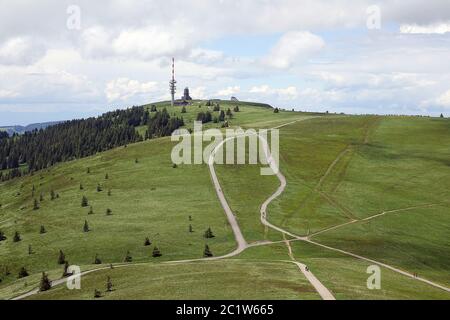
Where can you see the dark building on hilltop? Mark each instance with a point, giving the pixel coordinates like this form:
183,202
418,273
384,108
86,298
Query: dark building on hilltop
186,96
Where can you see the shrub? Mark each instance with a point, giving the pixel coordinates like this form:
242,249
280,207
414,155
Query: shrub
23,273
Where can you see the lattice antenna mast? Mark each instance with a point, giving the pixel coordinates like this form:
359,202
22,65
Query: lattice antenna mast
173,87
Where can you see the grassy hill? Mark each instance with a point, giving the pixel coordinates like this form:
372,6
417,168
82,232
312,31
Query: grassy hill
338,168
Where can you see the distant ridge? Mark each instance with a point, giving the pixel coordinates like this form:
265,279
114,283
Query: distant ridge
22,129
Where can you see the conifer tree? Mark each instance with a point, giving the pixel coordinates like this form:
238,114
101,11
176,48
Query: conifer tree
41,197
183,110
147,242
42,230
209,234
156,252
66,272
88,170
442,115
35,205
84,201
30,249
2,236
106,176
23,273
222,116
99,188
109,193
81,186
97,294
17,237
91,210
52,195
108,212
109,285
61,257
276,110
97,260
45,283
207,253
86,226
236,109
128,257
191,230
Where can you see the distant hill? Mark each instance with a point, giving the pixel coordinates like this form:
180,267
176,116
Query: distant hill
22,129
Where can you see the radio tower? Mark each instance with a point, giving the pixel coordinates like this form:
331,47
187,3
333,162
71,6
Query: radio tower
173,83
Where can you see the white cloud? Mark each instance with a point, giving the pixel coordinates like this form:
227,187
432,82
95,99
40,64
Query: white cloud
294,47
289,93
198,93
229,91
438,28
123,89
20,51
444,99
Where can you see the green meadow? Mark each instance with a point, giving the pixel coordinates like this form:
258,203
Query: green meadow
338,169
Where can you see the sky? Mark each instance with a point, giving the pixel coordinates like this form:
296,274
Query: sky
63,59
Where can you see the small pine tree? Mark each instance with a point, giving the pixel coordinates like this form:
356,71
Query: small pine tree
17,237
109,193
66,272
147,242
61,257
84,201
2,236
174,166
35,205
183,110
209,234
88,170
52,195
229,113
81,186
190,218
97,294
91,210
106,176
23,273
41,197
109,285
276,110
108,212
207,253
236,109
136,160
128,257
99,188
156,252
442,115
42,230
86,226
191,230
45,284
97,260
30,249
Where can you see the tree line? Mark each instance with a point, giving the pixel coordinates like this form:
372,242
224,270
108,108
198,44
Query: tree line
40,149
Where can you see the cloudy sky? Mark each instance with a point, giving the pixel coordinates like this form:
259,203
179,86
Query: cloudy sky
66,59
